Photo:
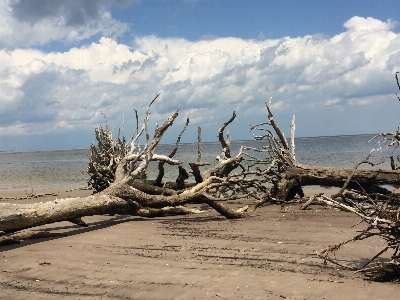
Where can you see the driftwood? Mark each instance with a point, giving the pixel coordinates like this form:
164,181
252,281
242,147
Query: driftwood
287,176
383,220
361,193
118,178
118,199
380,213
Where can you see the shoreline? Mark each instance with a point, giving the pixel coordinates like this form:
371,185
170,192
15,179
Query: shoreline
42,194
267,255
195,142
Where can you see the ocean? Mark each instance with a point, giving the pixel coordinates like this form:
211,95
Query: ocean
67,168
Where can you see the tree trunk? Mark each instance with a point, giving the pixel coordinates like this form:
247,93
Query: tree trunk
304,175
288,176
117,174
15,217
117,199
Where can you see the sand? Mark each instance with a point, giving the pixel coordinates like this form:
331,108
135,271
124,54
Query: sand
264,256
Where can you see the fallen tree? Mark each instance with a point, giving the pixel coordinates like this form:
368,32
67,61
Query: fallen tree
383,221
118,173
380,213
118,178
287,176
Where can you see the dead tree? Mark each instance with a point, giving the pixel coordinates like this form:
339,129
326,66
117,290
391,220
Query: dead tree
117,171
383,220
287,176
380,213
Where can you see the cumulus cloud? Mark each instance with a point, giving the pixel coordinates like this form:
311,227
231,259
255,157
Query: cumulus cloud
36,22
311,76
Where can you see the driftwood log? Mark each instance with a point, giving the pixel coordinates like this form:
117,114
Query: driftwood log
118,178
380,213
117,170
287,176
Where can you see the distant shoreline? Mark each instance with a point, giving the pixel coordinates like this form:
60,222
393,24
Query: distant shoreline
190,143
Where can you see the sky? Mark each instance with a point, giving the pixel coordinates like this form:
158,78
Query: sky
69,66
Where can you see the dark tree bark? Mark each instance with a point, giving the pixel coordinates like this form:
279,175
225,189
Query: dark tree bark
304,175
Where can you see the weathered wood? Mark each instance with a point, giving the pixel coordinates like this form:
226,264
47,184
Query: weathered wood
195,166
161,163
226,151
118,176
117,199
150,187
305,205
288,176
325,176
20,216
333,177
380,213
292,143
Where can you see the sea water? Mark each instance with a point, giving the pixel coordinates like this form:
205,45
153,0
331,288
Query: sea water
67,168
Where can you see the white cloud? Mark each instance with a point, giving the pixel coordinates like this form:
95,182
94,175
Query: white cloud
206,79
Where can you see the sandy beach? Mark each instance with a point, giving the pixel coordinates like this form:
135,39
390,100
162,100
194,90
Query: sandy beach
264,256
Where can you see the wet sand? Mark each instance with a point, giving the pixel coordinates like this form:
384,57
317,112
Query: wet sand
264,256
